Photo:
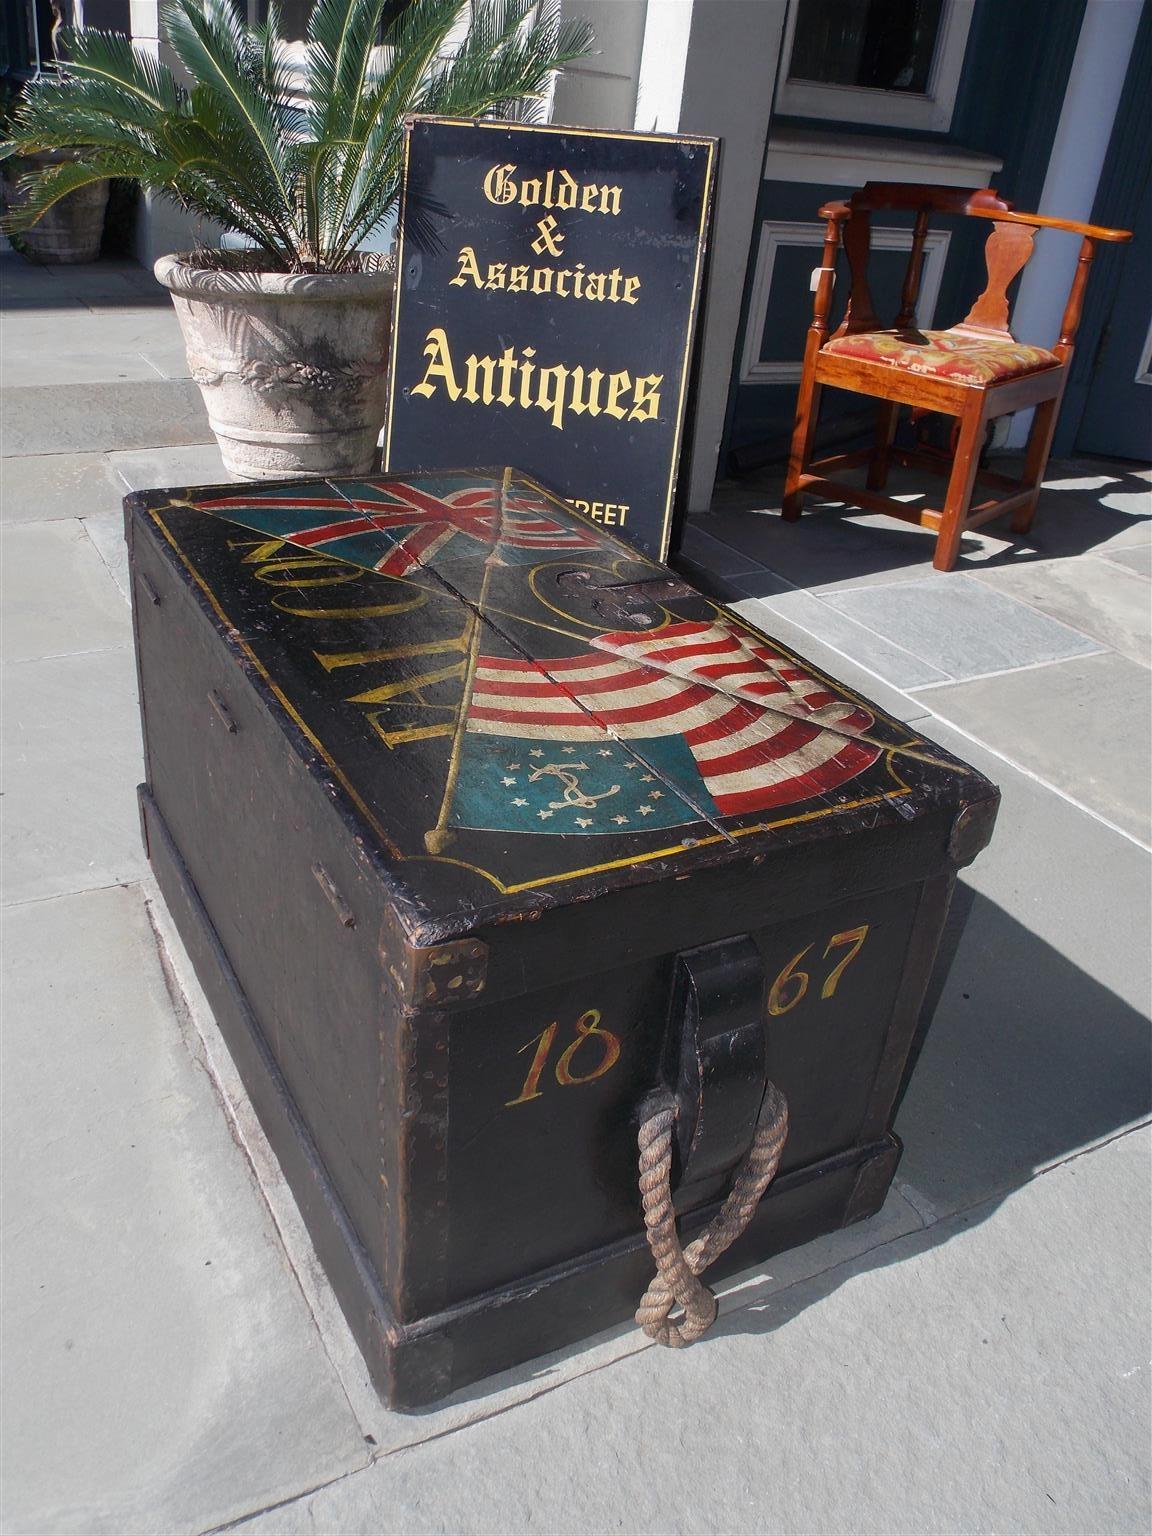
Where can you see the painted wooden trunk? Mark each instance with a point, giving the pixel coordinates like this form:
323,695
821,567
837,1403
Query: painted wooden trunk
478,827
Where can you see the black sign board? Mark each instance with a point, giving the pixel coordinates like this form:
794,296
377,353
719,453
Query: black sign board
548,281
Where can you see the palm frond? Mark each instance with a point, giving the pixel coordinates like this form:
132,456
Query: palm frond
40,190
210,40
368,170
129,70
341,38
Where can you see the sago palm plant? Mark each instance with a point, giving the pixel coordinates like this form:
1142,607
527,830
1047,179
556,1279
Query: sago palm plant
297,151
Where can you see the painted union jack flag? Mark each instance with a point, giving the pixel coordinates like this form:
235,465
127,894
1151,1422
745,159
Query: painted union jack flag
731,725
397,526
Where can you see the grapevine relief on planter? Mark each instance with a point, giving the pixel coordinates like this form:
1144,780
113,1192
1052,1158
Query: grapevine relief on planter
259,374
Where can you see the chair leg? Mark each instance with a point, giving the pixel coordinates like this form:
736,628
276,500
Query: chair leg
807,413
959,495
1036,461
886,419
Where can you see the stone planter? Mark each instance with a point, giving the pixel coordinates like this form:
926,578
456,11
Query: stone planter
71,230
291,368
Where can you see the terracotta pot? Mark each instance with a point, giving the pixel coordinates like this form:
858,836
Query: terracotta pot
292,368
71,230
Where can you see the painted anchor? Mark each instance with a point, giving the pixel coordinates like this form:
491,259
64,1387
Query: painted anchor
574,796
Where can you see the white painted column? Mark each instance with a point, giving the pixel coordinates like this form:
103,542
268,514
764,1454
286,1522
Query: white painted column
729,76
1078,153
663,60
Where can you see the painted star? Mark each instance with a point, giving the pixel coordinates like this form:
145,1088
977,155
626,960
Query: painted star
631,767
544,815
605,751
655,794
519,801
647,778
646,810
536,752
507,780
583,821
620,820
569,749
512,767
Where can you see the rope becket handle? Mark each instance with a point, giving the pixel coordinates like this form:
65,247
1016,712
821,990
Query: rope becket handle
677,1268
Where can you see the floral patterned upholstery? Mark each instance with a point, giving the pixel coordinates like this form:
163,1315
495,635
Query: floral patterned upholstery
965,359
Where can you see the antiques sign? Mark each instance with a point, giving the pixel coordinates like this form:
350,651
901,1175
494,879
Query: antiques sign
548,281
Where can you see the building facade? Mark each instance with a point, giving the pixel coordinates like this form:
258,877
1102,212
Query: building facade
1044,99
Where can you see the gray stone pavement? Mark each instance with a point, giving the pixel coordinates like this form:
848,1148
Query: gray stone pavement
975,1359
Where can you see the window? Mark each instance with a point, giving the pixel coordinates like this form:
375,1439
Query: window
892,62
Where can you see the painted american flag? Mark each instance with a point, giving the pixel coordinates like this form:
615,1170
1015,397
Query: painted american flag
396,526
761,731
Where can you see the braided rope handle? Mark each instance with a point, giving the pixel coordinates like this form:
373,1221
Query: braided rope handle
677,1268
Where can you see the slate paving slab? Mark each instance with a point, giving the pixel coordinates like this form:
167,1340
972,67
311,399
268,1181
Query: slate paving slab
56,594
937,1385
25,333
76,418
959,626
161,1370
72,760
72,367
170,362
106,530
54,485
827,547
1134,504
147,469
12,298
1138,560
890,660
706,550
1100,598
1082,725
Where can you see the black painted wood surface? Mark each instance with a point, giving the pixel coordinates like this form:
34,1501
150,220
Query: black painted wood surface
447,1016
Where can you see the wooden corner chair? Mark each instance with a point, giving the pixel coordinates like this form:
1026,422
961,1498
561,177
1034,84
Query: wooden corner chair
974,371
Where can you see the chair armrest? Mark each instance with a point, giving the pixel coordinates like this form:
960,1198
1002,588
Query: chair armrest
1042,221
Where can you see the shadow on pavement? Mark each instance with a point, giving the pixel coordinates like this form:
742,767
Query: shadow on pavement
1028,1060
111,283
1082,508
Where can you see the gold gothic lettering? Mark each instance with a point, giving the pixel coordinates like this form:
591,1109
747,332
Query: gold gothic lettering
574,282
406,694
556,189
284,570
556,389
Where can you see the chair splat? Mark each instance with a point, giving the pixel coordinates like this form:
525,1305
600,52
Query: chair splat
1006,254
